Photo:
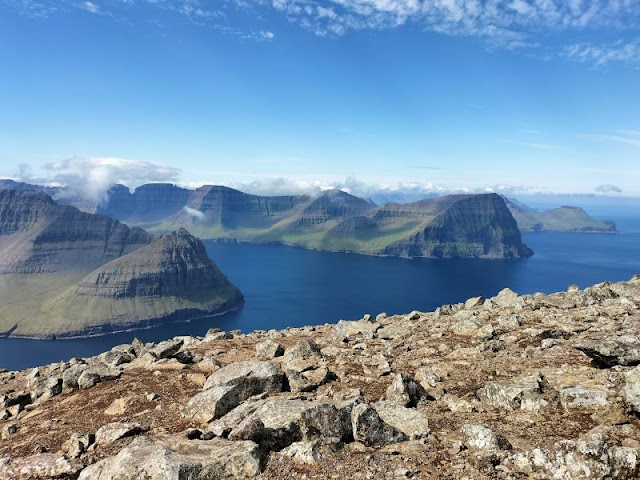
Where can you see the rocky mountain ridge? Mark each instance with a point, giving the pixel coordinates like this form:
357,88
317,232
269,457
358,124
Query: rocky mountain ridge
562,219
451,226
510,387
68,273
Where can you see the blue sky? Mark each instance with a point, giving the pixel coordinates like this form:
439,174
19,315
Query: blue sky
287,95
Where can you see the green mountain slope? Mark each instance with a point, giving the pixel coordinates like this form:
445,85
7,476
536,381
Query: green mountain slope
449,226
68,273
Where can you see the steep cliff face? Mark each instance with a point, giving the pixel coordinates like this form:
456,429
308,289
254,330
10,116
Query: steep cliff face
332,205
471,226
334,220
226,207
64,272
174,265
39,236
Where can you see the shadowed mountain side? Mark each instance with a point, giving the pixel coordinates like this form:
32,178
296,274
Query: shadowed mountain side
68,273
334,220
475,225
562,219
170,279
472,226
39,236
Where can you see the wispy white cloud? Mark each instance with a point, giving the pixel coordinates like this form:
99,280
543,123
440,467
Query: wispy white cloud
90,7
626,139
507,24
600,55
33,8
193,212
538,146
633,133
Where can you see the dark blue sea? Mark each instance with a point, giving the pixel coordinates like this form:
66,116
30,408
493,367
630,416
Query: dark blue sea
293,287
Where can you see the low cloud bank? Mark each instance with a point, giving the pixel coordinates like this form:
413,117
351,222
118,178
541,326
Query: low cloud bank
91,178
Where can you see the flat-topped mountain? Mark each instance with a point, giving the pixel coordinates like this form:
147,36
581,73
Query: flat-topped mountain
449,226
463,226
64,272
562,219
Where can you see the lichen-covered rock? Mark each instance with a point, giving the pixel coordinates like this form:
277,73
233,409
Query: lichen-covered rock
252,377
71,376
371,430
174,458
269,349
405,391
279,422
581,397
229,386
631,390
302,356
112,432
610,351
483,438
510,394
78,444
590,458
40,466
311,452
410,421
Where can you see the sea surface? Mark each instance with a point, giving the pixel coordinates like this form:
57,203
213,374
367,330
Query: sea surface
293,287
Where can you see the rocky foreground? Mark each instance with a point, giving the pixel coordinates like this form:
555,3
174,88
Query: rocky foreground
512,387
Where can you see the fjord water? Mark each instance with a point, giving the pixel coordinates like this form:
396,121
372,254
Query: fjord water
293,287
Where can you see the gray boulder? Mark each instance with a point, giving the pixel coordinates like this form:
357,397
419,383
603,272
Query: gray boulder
371,430
312,452
269,349
226,388
92,376
41,466
631,389
112,432
588,458
252,377
43,388
166,349
581,397
411,422
406,391
483,438
176,458
305,366
608,352
309,380
279,422
71,376
511,393
223,426
302,356
212,403
78,444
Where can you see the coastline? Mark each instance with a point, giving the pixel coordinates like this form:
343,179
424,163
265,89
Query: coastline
142,325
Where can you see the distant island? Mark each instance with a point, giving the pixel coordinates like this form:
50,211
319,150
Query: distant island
66,273
562,219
